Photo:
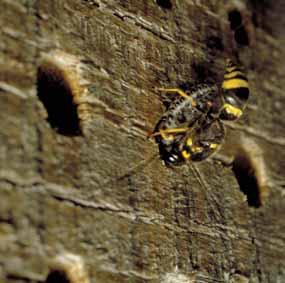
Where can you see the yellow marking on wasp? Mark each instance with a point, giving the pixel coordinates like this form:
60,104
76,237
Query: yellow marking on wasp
233,74
189,142
180,92
231,69
186,154
213,145
197,149
232,110
234,83
166,136
164,133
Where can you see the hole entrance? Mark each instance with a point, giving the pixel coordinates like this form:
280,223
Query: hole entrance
235,19
215,42
259,9
246,176
165,4
57,276
241,36
56,95
240,33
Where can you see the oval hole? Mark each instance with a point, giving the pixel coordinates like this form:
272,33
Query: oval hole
241,36
56,95
67,268
246,177
57,276
165,4
240,33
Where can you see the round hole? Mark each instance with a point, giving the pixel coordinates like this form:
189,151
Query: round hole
215,42
240,33
56,95
67,268
241,36
235,19
247,180
57,277
165,4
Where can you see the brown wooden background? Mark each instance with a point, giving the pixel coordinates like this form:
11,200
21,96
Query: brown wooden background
105,195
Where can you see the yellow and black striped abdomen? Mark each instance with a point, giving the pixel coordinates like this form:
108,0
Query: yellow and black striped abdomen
235,91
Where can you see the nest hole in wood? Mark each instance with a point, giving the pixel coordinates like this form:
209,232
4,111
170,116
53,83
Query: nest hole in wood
67,268
259,10
55,93
57,276
237,26
215,42
165,4
245,173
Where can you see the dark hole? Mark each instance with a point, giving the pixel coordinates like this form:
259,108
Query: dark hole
247,181
241,36
255,18
259,10
55,94
214,42
166,4
57,277
235,19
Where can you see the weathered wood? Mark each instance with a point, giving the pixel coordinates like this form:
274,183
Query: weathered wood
102,193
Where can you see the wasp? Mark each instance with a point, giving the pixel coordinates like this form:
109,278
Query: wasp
191,127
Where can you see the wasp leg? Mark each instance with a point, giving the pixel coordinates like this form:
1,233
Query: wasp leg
180,92
167,134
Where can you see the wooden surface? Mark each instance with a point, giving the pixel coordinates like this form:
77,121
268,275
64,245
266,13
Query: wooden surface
104,194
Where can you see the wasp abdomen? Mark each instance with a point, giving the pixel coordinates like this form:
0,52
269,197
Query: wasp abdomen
235,91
